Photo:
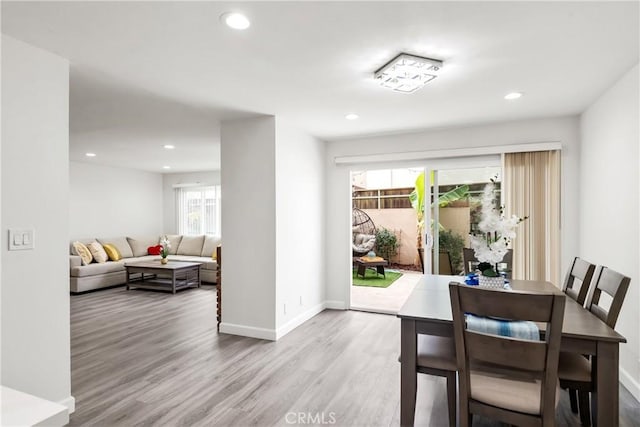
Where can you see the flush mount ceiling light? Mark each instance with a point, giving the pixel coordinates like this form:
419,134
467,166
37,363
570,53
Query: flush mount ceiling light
90,154
408,73
235,20
169,146
351,116
166,167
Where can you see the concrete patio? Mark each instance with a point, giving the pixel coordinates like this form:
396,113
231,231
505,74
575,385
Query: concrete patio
385,300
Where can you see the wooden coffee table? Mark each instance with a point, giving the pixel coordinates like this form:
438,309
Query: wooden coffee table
365,262
167,277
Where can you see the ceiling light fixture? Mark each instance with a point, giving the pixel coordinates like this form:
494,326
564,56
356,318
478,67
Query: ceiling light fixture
90,154
166,167
235,20
169,147
408,73
352,116
512,95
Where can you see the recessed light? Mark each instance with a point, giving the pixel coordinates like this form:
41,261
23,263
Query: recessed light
235,20
169,146
166,167
352,116
90,154
513,95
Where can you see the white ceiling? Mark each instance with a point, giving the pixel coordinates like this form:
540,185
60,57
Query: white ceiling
146,74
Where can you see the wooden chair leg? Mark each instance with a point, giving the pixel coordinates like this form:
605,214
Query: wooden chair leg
452,398
573,400
585,410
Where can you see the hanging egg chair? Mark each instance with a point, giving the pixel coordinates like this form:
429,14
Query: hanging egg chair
363,233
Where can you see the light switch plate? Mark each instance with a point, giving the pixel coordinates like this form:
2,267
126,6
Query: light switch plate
21,239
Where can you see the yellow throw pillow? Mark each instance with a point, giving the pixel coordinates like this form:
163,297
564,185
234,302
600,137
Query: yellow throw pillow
98,252
112,252
83,252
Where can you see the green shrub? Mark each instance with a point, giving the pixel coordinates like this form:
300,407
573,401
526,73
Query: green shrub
453,243
386,243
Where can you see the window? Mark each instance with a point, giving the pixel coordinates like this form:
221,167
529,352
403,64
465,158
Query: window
198,210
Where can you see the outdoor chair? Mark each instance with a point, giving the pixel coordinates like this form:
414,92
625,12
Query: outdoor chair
575,370
512,380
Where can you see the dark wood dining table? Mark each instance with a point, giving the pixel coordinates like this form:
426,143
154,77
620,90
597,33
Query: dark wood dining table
428,311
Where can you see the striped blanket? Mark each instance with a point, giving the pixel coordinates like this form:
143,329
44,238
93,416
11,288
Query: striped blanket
521,329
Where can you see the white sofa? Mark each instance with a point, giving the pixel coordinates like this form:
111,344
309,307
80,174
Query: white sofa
101,275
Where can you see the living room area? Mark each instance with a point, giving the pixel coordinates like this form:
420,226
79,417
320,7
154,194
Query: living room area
125,123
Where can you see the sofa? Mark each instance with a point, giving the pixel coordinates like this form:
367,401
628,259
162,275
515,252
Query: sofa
97,275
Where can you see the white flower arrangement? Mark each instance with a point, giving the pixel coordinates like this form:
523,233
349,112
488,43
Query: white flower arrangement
493,244
166,244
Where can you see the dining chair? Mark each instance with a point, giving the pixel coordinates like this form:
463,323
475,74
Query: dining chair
581,271
575,370
437,356
504,378
471,262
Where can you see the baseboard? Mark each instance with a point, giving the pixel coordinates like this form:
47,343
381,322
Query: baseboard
70,403
630,384
298,320
248,331
335,305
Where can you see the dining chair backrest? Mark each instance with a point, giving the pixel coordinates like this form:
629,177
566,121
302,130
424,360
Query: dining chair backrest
538,359
583,272
613,284
471,262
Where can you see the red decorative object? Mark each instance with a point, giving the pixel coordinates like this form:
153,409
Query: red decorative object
154,250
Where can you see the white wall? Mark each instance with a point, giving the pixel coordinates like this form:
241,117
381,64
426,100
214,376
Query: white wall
35,194
300,233
248,226
338,207
609,232
168,193
107,201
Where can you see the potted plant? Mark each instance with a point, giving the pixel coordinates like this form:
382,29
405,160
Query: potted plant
386,243
491,246
164,242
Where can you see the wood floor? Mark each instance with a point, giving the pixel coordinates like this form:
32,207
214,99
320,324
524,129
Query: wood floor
142,358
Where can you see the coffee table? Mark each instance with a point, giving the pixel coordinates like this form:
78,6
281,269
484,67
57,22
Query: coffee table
167,277
365,262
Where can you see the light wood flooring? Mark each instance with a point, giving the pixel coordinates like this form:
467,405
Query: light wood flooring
143,358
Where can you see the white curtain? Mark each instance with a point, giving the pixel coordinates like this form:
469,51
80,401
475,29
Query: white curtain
532,188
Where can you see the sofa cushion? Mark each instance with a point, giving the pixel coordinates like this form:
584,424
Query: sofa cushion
99,255
112,252
96,269
209,246
120,243
83,252
139,245
191,245
174,242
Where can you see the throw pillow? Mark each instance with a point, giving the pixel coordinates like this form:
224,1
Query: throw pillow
112,252
154,250
83,252
98,252
120,243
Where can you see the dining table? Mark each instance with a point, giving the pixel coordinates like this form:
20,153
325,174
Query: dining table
428,311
